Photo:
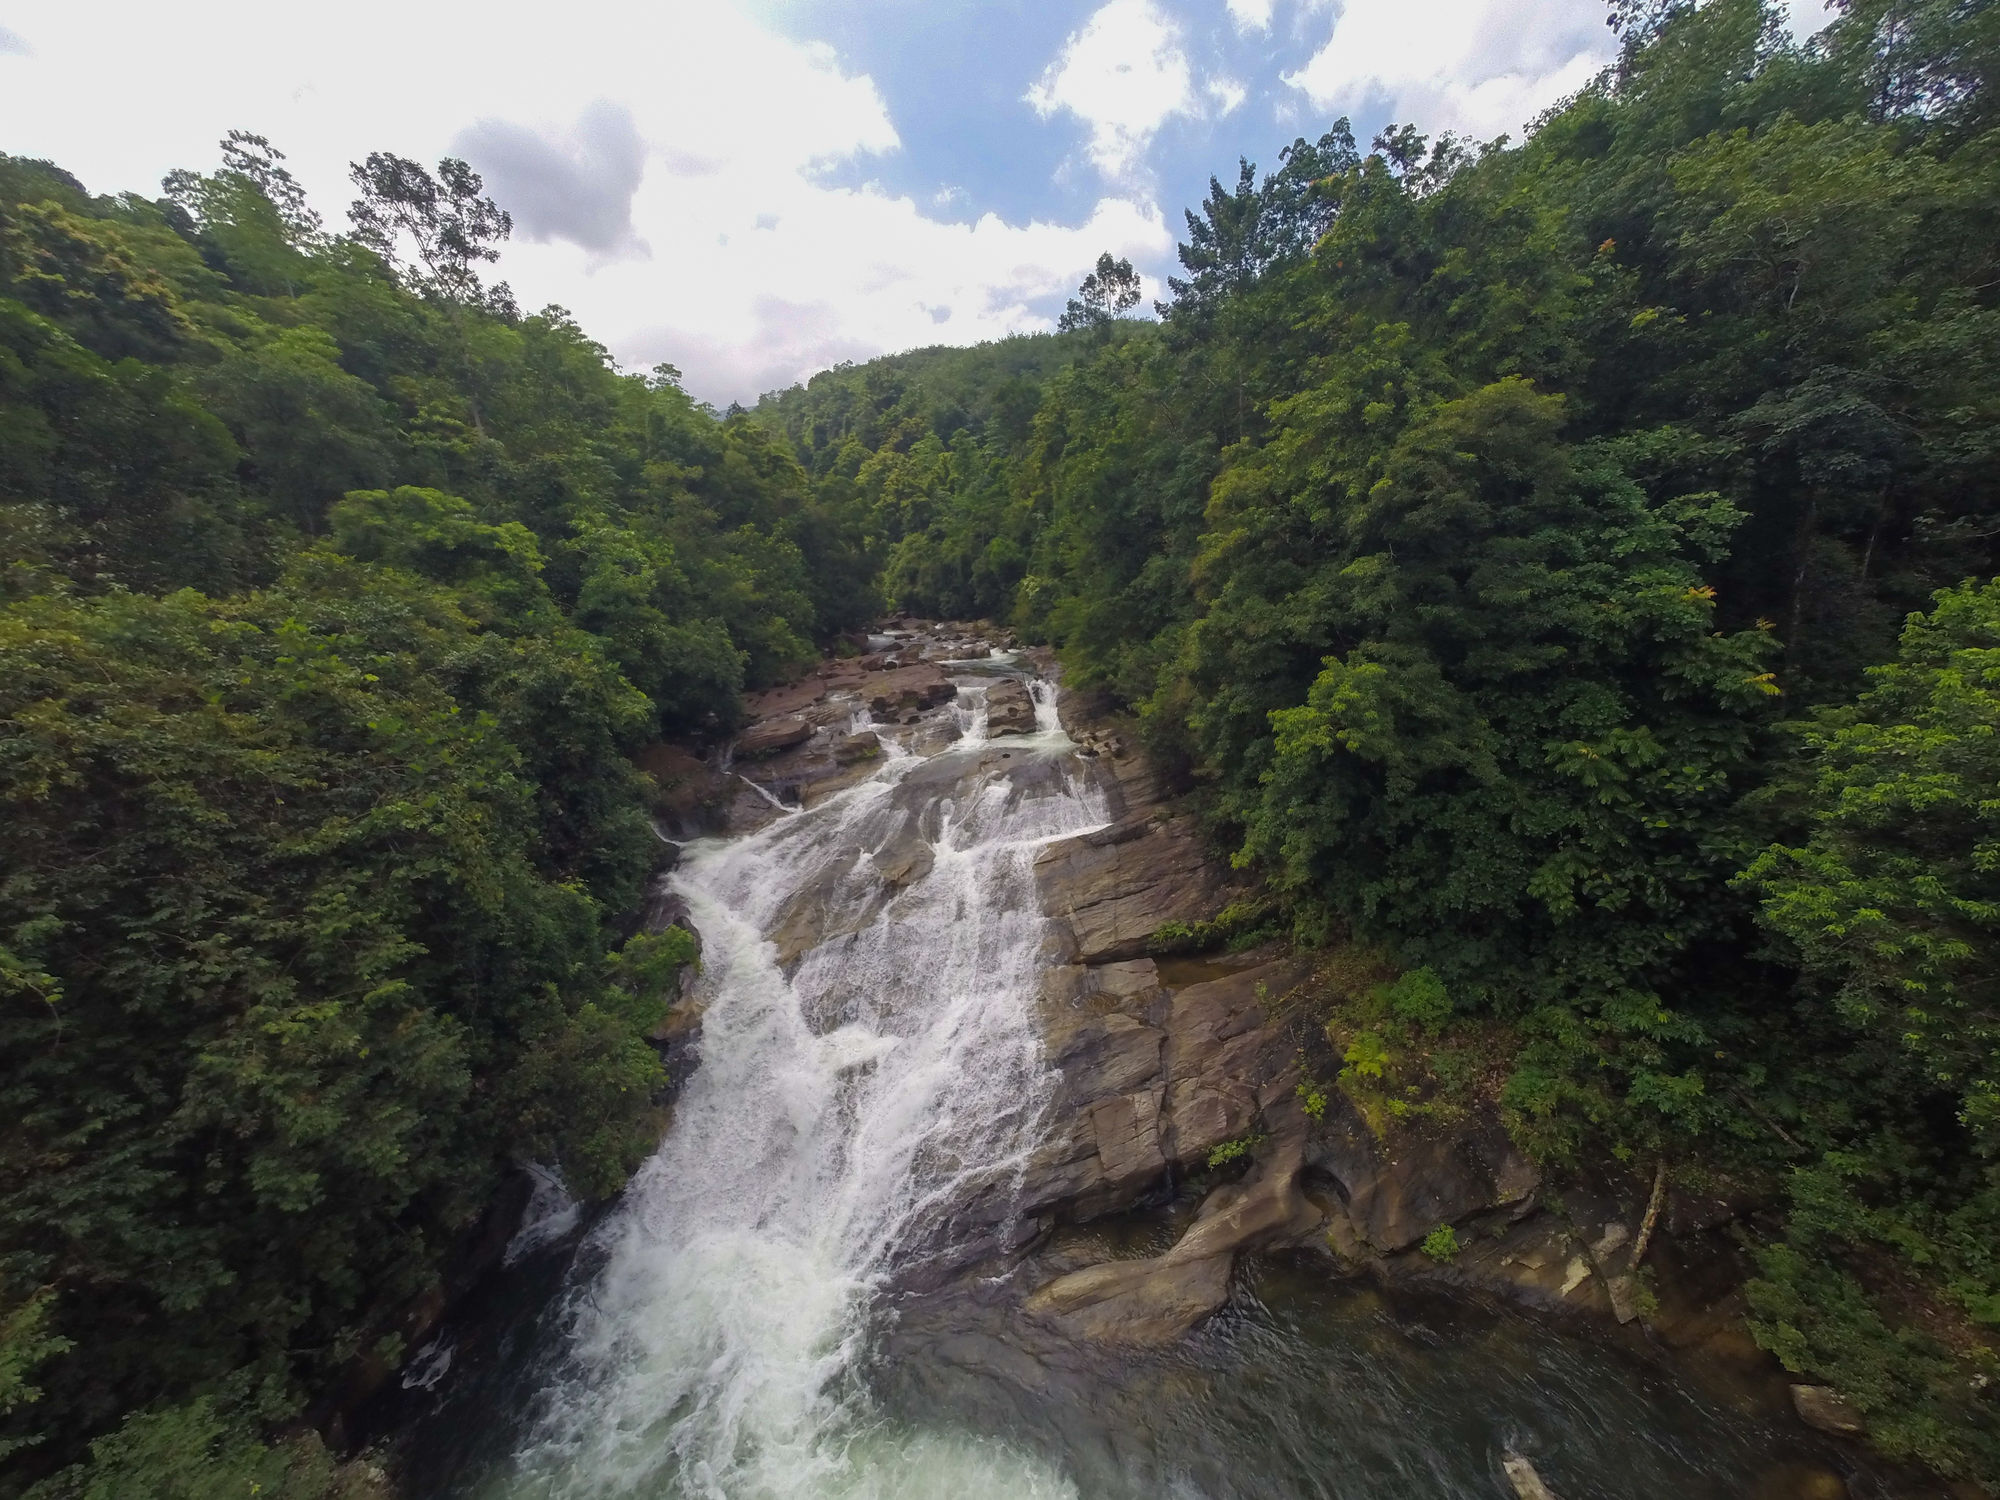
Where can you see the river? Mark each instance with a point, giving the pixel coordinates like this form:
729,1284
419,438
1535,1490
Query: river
780,1306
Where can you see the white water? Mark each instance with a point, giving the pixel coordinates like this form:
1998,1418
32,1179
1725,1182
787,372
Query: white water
550,1215
837,1119
764,792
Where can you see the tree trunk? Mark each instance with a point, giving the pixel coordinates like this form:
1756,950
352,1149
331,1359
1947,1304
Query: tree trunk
1794,623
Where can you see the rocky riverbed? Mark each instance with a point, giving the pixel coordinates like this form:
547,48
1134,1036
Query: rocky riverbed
1166,1152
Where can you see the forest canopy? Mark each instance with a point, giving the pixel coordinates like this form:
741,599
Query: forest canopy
338,595
1565,568
1562,568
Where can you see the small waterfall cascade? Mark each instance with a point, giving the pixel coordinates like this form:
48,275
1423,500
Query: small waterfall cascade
870,1063
795,1298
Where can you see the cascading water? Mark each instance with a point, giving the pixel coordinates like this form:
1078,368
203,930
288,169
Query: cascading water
775,1311
840,1114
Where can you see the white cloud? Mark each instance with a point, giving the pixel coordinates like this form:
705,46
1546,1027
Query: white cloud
576,185
1251,15
1480,67
760,272
844,274
1124,75
1226,92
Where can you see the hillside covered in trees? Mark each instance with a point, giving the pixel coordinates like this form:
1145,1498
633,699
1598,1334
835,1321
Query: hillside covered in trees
338,595
1564,569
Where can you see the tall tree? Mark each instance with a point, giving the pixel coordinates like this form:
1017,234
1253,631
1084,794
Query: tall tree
447,220
1106,293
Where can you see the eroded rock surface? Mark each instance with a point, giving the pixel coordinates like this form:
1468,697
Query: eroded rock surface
1116,887
1150,1076
1395,1194
773,735
1157,1299
1010,708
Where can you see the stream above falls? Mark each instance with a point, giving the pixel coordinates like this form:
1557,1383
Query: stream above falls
814,1287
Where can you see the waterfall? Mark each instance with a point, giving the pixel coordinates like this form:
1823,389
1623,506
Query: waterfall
842,1115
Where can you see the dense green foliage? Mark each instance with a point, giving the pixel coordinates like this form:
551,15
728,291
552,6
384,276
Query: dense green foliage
1889,907
916,451
337,594
1495,539
1545,565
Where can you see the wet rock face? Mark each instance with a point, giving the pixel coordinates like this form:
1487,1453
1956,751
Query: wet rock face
1150,1081
1010,708
896,844
1153,1078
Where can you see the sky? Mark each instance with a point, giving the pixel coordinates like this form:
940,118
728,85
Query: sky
753,190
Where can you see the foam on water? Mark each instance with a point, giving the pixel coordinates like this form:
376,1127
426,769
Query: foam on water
837,1118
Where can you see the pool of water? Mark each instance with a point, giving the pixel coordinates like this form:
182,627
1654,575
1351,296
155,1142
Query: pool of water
1306,1386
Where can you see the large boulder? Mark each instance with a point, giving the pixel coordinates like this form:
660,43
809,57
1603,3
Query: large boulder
902,690
1823,1407
1157,1299
850,749
1399,1190
770,736
1151,1301
1010,708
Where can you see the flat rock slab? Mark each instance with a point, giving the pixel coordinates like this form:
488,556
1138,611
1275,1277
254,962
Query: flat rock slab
1117,886
907,689
772,735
